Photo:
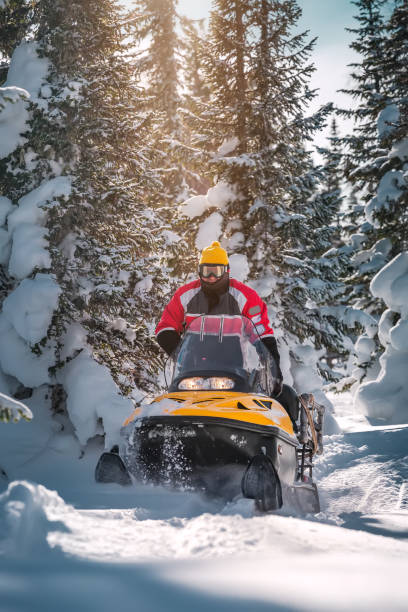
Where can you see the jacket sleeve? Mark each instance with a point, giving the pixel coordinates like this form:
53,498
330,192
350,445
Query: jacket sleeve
173,316
255,309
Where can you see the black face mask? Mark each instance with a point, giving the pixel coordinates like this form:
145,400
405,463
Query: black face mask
218,288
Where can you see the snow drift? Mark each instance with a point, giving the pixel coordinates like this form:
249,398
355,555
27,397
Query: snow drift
386,397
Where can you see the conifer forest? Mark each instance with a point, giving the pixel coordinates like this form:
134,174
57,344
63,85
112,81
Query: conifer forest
132,136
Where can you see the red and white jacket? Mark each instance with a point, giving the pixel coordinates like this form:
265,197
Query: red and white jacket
190,301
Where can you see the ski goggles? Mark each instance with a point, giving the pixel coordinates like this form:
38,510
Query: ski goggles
207,270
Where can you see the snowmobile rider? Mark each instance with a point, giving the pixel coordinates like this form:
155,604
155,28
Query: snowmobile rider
214,292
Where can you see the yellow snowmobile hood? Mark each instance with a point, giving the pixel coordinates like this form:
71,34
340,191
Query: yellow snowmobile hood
243,407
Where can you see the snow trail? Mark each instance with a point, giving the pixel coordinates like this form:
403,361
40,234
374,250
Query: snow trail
93,546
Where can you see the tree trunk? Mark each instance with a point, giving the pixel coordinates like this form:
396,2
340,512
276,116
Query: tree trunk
240,78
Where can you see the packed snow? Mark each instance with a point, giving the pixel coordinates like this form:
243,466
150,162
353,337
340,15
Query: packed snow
68,543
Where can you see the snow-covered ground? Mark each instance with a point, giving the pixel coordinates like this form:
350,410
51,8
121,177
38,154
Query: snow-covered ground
67,543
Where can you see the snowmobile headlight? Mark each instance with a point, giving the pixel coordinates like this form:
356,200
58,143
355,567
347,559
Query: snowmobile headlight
192,384
197,383
219,382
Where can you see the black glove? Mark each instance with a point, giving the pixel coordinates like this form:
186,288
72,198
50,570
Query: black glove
277,388
168,340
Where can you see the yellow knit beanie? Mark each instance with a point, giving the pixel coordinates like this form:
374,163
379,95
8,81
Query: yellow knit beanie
214,254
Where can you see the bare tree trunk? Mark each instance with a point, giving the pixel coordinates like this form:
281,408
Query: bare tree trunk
240,80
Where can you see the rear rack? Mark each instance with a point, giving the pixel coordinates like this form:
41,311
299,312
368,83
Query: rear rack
310,435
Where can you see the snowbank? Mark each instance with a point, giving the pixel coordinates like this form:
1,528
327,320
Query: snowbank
386,397
93,397
24,524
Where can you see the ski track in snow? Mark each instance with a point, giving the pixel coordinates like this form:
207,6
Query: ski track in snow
98,547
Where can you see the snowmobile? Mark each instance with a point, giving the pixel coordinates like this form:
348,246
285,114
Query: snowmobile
217,429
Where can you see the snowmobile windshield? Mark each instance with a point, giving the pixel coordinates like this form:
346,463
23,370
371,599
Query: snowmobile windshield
223,352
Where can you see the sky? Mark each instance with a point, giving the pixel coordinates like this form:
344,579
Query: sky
326,20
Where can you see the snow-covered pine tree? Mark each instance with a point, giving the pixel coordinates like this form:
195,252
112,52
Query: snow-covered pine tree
82,241
254,133
332,184
363,153
195,82
154,29
388,211
378,166
196,95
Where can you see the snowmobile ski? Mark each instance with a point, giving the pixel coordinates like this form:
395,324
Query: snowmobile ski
110,468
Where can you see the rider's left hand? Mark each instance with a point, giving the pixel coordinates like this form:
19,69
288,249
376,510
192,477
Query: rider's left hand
277,388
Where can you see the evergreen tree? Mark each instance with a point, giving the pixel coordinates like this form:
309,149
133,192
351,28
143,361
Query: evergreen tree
388,211
333,164
363,152
103,244
254,133
158,66
193,70
377,151
373,170
368,91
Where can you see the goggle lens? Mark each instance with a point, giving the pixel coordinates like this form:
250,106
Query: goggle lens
212,270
